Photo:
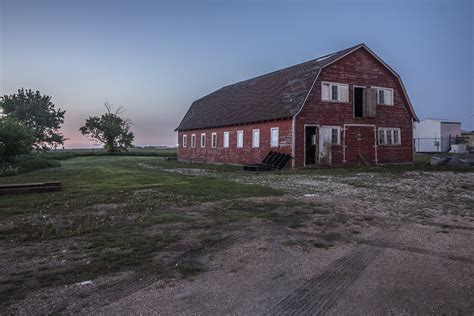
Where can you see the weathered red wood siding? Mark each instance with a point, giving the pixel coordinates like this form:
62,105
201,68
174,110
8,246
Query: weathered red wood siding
359,68
234,155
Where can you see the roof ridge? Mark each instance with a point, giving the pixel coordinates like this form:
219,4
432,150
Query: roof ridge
287,68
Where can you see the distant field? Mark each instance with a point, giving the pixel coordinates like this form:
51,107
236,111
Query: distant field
159,152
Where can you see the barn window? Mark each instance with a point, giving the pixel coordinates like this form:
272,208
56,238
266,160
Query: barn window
396,136
335,136
226,140
381,97
384,96
240,139
203,140
381,137
274,137
338,92
255,138
193,140
334,93
185,140
214,140
389,136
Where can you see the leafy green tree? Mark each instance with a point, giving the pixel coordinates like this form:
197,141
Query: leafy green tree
110,129
37,112
15,138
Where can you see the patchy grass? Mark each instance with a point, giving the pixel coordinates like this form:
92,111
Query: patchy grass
26,165
189,268
307,244
113,215
421,163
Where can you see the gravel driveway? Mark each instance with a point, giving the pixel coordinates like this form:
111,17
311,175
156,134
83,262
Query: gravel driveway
415,255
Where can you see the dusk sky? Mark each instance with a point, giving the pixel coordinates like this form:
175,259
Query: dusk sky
155,58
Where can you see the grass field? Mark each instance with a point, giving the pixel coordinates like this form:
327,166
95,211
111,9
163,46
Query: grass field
108,218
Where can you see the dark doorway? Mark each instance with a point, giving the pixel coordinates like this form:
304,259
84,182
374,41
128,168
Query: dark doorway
311,141
358,100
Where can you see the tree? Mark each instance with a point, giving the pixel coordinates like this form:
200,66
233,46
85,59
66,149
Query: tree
15,138
37,112
110,129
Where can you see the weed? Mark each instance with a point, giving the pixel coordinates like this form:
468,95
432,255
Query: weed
189,268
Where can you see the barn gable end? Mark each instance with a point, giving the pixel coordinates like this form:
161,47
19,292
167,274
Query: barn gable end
359,68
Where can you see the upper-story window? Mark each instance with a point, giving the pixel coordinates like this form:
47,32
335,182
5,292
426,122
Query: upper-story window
384,96
337,92
193,140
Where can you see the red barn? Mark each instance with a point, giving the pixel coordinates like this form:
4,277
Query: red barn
344,108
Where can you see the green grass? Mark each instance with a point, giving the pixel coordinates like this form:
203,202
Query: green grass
61,154
49,159
113,214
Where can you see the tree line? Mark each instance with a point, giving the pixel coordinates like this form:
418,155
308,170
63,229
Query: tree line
29,121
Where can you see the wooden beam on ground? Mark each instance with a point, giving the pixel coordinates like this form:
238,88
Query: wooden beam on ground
30,188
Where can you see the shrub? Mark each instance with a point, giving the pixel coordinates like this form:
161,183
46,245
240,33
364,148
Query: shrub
15,139
36,164
8,170
27,165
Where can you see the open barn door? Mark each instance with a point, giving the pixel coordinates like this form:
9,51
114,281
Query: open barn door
311,145
369,102
325,135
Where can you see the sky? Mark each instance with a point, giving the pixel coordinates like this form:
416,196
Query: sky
155,57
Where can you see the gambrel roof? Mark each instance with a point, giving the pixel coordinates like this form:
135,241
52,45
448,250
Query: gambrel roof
276,95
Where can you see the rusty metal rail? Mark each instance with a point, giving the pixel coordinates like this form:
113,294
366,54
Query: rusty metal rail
30,188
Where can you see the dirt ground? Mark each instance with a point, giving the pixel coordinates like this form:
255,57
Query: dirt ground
368,243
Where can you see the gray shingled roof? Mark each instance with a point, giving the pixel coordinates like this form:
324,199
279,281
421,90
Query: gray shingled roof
275,95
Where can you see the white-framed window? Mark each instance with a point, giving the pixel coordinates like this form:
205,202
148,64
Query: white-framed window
185,140
389,136
335,135
226,140
255,138
214,140
193,140
240,139
335,92
274,137
203,140
384,96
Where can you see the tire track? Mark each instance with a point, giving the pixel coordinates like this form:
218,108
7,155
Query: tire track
106,294
401,247
319,294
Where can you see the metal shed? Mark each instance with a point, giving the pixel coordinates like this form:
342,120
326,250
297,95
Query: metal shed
435,135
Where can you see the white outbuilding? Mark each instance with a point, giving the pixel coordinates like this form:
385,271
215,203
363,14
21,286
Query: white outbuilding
435,135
